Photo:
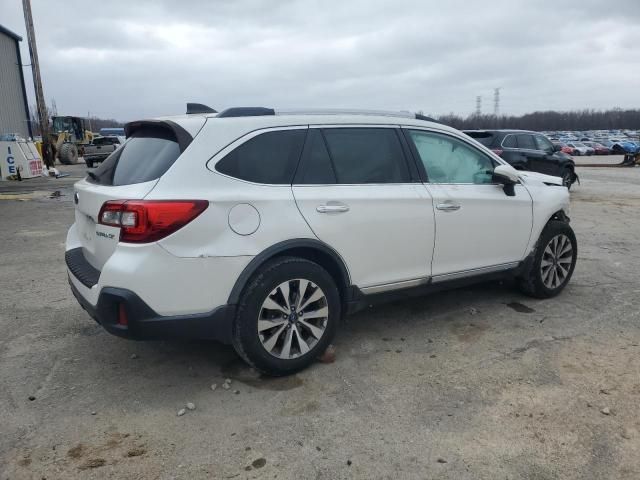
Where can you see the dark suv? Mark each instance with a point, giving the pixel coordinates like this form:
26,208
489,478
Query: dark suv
530,151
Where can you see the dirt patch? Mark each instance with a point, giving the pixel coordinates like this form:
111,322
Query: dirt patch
469,332
77,451
93,463
136,452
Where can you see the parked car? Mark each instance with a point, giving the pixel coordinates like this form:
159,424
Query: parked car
598,148
262,229
620,147
527,150
580,148
563,147
100,148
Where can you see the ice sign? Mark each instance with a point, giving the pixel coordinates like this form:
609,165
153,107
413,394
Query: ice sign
11,162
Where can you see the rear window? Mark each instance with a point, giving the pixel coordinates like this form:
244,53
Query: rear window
485,138
145,156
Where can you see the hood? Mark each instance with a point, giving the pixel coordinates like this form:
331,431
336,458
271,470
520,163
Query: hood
539,177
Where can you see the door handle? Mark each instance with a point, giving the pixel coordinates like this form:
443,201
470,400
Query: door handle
448,207
332,208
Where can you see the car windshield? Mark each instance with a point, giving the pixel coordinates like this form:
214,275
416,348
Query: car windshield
579,145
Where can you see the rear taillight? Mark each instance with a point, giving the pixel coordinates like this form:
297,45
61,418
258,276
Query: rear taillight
497,151
143,221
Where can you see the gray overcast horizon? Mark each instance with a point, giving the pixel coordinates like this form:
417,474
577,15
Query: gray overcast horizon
143,58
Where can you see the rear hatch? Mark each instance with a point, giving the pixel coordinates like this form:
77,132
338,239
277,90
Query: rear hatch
129,173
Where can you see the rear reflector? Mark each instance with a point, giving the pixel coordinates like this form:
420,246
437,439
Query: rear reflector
144,221
122,315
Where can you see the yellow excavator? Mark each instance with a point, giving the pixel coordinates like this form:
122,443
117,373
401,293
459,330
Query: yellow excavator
69,137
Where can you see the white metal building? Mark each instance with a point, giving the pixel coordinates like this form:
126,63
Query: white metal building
14,110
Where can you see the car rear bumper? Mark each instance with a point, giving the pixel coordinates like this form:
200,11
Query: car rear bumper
123,313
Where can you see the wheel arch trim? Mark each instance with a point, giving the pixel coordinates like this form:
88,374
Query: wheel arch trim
282,248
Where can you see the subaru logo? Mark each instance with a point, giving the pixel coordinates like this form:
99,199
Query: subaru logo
76,198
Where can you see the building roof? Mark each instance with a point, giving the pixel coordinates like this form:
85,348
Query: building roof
9,33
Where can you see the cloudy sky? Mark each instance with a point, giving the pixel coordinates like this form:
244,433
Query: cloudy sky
129,59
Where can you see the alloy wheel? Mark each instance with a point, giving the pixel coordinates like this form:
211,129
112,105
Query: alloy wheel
293,318
557,258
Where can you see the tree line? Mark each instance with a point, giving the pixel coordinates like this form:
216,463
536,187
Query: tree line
550,120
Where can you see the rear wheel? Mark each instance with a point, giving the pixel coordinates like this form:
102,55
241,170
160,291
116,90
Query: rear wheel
287,316
89,163
553,262
68,154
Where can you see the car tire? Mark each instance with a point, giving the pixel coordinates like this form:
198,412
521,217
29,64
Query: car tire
568,177
553,262
296,339
89,163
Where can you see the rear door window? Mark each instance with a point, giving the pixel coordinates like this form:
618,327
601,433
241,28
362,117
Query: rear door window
315,165
270,158
146,156
366,155
526,141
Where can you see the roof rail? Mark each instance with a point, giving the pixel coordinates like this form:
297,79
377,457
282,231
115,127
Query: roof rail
245,112
198,108
261,111
344,111
420,116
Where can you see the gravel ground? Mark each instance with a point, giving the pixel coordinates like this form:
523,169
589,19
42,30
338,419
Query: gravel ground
477,383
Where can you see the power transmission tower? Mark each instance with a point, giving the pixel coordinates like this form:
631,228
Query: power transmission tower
478,106
47,151
496,101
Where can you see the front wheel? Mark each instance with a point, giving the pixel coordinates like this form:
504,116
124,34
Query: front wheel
287,316
567,178
553,262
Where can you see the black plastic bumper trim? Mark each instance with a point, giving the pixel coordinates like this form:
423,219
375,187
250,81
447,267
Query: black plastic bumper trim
145,324
81,268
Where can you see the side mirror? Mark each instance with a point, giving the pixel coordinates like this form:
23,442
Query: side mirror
557,148
508,177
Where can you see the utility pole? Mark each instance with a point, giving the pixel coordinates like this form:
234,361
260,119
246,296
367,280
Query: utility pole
47,150
478,106
496,101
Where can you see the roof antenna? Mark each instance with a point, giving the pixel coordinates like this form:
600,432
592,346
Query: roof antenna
199,108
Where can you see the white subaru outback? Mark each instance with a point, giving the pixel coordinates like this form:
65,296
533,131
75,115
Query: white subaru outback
262,228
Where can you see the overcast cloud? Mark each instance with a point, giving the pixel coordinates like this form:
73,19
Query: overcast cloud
140,58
